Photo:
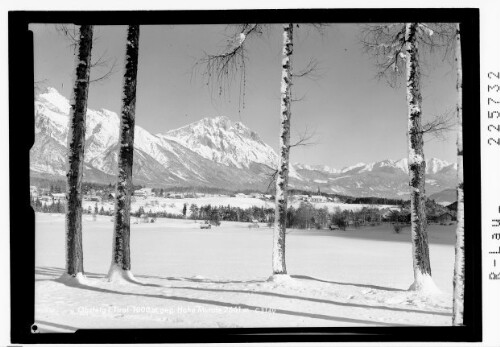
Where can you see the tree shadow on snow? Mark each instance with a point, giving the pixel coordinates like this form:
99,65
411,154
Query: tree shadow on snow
322,301
371,286
437,235
232,305
201,280
56,272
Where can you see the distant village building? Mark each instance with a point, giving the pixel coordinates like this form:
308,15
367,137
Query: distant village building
59,196
335,199
33,191
385,213
445,217
301,197
318,198
144,218
144,192
241,195
94,198
452,206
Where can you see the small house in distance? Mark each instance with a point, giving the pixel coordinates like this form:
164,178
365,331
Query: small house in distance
59,196
318,198
144,218
452,206
444,218
334,199
301,197
143,192
34,191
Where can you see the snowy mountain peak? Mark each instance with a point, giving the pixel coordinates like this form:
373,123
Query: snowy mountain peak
220,140
52,97
324,168
353,167
435,165
402,164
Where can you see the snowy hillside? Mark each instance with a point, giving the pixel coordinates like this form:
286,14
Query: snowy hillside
212,152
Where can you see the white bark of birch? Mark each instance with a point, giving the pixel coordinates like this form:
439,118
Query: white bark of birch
416,165
279,266
76,146
459,271
121,264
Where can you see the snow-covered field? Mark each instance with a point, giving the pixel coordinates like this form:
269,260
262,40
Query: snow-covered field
188,277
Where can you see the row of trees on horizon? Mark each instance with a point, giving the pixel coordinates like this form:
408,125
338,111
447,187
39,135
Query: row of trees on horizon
396,48
305,216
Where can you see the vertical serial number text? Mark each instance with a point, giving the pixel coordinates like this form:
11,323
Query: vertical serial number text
494,108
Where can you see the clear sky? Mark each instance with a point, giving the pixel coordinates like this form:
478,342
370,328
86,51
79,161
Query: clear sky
356,117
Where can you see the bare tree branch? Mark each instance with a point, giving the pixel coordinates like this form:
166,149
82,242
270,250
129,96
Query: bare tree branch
110,71
320,27
440,125
271,186
310,71
70,32
386,43
305,138
302,98
221,69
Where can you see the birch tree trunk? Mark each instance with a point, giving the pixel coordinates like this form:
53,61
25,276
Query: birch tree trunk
459,272
416,165
120,264
279,266
76,146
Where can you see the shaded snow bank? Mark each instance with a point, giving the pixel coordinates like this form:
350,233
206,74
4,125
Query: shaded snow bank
69,280
117,274
424,284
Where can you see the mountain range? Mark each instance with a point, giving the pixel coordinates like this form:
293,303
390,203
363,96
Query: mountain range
213,152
